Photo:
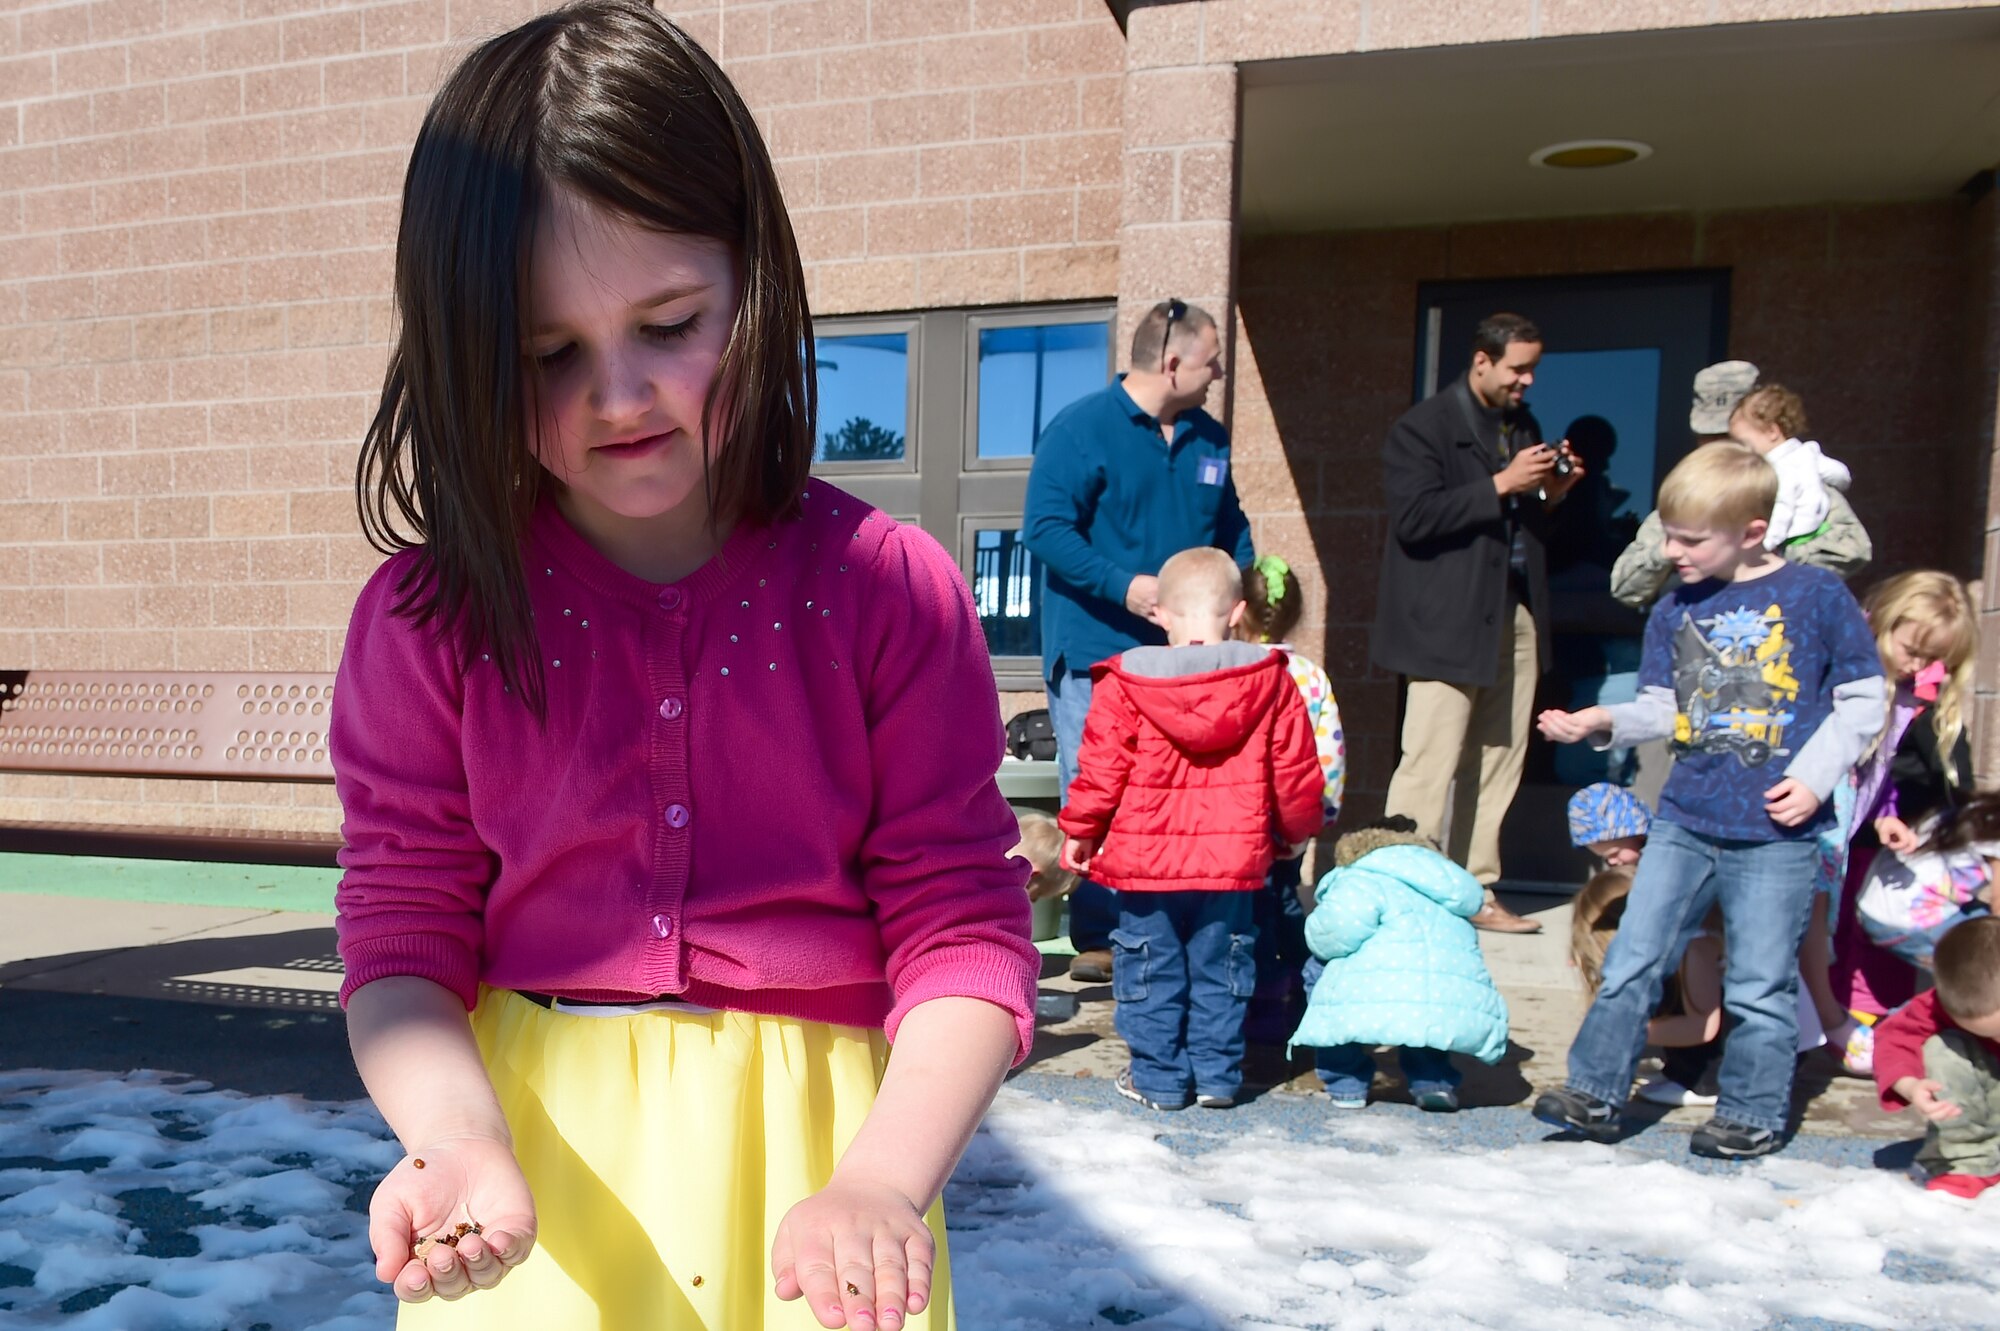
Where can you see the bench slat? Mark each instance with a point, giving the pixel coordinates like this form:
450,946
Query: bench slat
204,725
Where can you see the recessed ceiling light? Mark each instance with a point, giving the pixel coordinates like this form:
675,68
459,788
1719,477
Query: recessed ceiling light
1590,154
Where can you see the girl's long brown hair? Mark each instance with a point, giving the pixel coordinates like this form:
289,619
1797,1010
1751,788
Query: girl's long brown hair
610,100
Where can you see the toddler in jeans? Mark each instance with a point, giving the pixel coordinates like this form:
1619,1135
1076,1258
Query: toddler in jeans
1197,768
1766,678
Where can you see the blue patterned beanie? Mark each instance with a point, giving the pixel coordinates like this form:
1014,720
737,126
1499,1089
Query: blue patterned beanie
1604,812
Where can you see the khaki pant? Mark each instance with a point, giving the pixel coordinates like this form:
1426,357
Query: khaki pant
1477,737
1970,1143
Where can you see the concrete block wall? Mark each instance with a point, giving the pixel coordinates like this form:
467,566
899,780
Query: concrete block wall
198,205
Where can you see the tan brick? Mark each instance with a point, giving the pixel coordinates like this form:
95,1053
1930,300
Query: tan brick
97,340
61,298
1410,23
27,76
363,78
43,256
138,474
743,30
932,117
212,649
31,168
973,60
134,383
1170,107
1149,194
917,228
1022,14
288,649
896,20
971,168
203,193
90,68
214,98
93,159
290,559
158,59
393,124
1024,219
97,431
173,606
51,29
60,389
813,25
91,251
58,209
320,35
63,478
99,608
869,177
241,45
122,20
992,278
1101,103
1074,159
42,608
327,417
168,518
829,127
872,284
319,604
56,119
288,88
356,369
300,373
1096,47
69,650
235,142
782,80
875,70
66,566
249,604
1275,29
416,24
830,233
294,277
282,185
247,515
128,109
325,323
1025,109
170,426
324,512
207,379
98,520
366,175
123,201
322,133
38,520
257,422
204,471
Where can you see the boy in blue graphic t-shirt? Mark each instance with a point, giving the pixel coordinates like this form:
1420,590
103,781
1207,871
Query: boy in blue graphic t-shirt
1764,676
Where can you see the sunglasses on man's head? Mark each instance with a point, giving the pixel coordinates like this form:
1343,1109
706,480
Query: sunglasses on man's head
1176,311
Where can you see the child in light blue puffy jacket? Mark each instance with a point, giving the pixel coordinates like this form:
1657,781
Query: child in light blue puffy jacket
1397,963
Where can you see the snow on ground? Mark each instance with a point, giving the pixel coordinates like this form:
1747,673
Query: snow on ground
148,1201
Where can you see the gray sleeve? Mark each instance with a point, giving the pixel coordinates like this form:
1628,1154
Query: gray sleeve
1651,716
1641,570
1859,710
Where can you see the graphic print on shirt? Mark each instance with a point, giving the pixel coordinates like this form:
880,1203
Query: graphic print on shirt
1734,689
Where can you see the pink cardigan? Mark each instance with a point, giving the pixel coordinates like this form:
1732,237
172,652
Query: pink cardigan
768,787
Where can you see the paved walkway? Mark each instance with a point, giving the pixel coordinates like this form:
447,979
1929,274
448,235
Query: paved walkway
143,974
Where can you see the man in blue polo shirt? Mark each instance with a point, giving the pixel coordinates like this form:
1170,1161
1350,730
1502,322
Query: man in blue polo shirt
1123,479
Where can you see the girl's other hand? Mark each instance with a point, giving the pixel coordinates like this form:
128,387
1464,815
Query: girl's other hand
1077,853
461,1180
1895,834
859,1253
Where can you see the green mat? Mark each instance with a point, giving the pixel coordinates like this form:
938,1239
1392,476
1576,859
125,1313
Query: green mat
174,882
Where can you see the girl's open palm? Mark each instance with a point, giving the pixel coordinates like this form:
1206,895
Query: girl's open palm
859,1253
462,1180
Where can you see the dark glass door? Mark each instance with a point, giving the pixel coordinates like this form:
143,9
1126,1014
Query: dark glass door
1615,380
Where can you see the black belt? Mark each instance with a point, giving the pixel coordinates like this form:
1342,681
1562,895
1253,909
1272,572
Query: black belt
550,1000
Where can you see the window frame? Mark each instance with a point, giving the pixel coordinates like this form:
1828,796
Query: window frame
955,492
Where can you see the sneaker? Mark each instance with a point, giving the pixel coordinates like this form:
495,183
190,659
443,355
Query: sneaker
1576,1111
1215,1101
1092,967
1666,1091
1123,1082
1726,1139
1348,1101
1442,1101
1858,1055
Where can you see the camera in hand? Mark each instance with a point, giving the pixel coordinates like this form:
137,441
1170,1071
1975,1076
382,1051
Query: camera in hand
1564,464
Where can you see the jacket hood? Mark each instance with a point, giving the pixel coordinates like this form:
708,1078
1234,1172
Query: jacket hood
1425,872
1205,698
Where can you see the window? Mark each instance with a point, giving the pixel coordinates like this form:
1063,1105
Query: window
937,414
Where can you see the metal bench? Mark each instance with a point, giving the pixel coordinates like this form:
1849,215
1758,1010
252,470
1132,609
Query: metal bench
182,724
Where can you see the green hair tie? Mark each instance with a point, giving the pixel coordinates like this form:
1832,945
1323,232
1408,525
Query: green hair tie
1275,571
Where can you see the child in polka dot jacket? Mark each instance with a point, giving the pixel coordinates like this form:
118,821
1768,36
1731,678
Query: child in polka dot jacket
670,766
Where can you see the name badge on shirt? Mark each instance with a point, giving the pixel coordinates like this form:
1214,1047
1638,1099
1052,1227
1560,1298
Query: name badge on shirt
1212,471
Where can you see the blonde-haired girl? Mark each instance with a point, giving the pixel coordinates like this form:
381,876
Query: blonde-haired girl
1927,632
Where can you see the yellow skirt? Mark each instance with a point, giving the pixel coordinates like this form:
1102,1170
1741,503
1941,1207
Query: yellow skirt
663,1148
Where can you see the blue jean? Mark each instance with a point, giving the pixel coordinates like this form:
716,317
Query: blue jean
1765,889
1347,1070
1183,966
1093,909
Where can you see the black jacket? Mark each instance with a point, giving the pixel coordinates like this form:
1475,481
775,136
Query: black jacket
1444,562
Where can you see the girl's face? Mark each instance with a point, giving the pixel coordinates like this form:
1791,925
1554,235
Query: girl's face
1908,653
629,325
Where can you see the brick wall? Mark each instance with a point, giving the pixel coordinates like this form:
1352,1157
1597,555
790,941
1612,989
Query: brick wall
1865,311
198,201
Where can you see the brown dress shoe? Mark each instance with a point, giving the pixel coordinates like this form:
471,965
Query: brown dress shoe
1094,966
1493,916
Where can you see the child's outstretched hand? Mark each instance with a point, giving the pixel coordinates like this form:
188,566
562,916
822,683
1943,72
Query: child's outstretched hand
1077,853
1790,802
1895,834
1572,727
1923,1095
859,1253
436,1188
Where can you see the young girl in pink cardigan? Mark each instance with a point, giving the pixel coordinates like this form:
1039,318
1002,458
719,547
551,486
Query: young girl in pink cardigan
671,767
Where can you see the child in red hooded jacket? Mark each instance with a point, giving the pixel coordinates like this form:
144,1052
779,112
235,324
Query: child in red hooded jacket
1197,766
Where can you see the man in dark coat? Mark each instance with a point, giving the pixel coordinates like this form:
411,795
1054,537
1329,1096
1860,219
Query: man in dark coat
1463,609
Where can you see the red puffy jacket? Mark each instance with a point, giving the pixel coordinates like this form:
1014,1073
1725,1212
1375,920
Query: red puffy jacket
1196,762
